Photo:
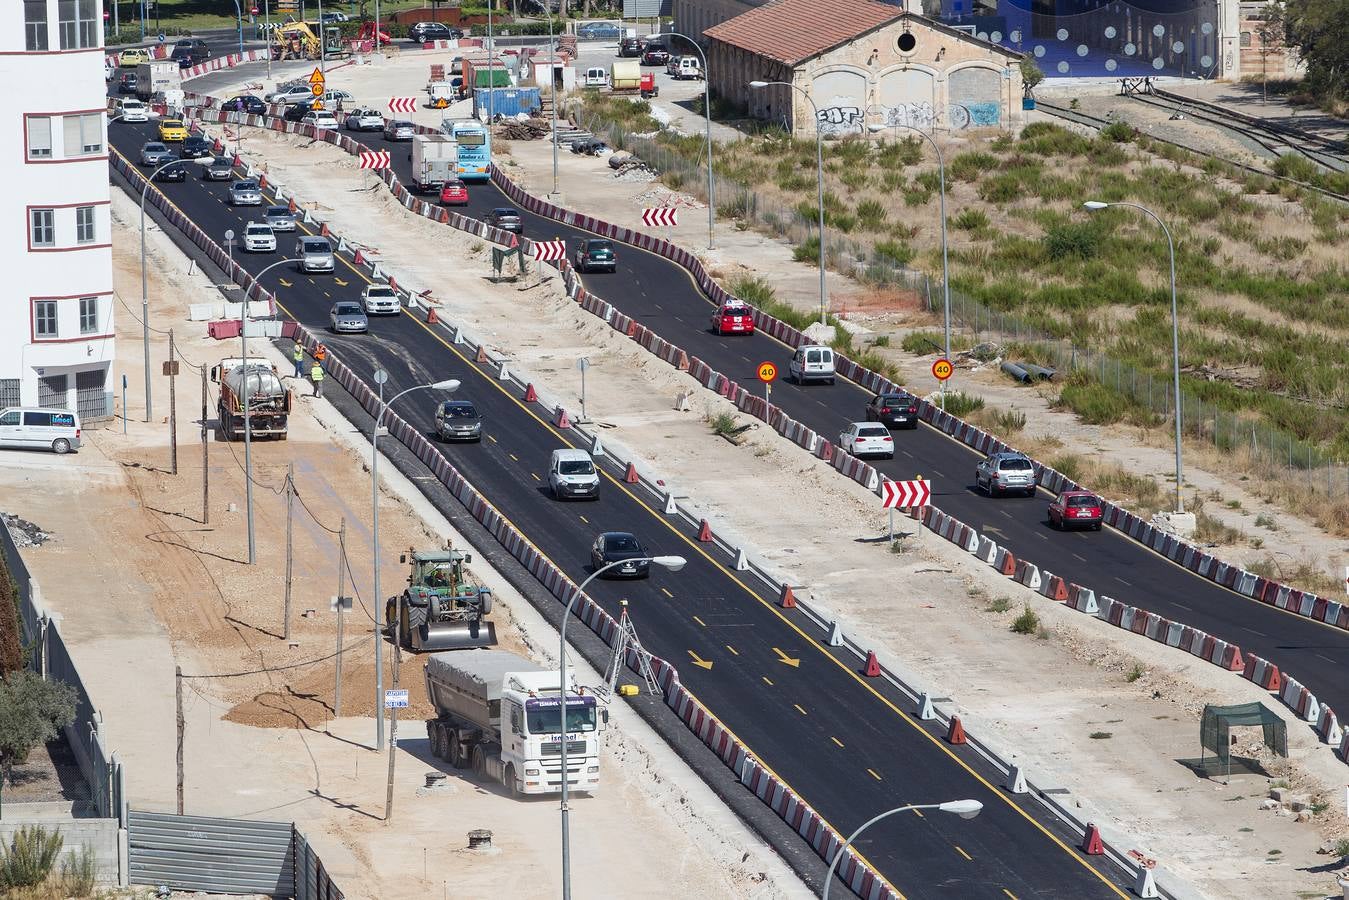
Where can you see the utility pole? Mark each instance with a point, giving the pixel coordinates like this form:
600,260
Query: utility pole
341,587
393,710
290,516
178,697
205,455
173,408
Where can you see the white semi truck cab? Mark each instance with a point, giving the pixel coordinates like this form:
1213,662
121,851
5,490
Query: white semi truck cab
501,715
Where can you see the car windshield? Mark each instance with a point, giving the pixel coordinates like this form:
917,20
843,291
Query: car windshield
314,245
401,125
542,716
245,185
460,411
1081,501
622,543
172,123
890,400
155,148
735,311
1015,465
347,309
259,229
575,467
273,211
379,290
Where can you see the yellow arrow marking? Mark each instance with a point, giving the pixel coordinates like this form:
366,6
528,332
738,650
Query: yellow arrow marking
698,661
285,283
997,531
340,283
794,662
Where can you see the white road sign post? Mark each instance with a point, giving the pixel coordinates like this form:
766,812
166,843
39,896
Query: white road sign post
904,495
396,699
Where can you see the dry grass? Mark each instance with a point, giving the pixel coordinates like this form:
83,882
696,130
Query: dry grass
1304,574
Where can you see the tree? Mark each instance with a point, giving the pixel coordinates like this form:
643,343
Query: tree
1030,75
11,652
1320,31
32,712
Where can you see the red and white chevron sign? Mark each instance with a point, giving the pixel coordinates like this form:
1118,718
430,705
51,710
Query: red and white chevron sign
549,251
374,159
402,104
905,494
660,215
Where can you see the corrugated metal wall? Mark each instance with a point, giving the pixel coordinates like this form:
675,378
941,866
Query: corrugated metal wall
311,878
235,856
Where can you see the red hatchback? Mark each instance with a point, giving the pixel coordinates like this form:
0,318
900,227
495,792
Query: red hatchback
733,318
1076,509
454,193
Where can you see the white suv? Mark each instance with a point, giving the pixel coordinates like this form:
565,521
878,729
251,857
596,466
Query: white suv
572,473
1006,471
380,298
811,362
258,238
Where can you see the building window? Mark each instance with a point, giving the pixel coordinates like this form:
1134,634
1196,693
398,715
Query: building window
44,318
39,137
42,227
35,24
78,24
88,315
83,134
84,225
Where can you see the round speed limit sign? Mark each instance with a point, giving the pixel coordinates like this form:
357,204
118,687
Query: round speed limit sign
942,369
767,372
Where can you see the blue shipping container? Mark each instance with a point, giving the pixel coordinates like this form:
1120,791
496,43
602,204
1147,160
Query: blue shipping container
506,101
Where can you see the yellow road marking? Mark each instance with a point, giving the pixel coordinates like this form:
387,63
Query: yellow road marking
873,774
1010,894
535,477
700,621
784,658
698,661
962,852
766,680
800,710
583,518
919,814
513,456
836,741
733,650
667,593
493,439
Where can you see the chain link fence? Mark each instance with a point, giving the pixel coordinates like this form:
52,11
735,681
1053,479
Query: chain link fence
1151,392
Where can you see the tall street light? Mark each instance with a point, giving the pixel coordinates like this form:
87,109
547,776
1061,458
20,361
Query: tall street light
145,284
1095,205
819,171
674,564
239,14
552,79
381,376
945,267
707,115
966,809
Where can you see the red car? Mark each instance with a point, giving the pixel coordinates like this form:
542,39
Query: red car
733,318
454,193
1076,509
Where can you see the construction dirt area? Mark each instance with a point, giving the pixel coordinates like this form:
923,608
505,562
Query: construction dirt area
142,582
1108,716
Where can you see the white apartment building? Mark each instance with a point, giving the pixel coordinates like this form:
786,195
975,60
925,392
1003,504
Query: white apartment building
56,317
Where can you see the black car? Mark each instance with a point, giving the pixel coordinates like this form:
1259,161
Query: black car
195,46
507,219
197,147
126,83
220,170
296,112
893,410
655,55
619,546
458,420
245,103
172,172
186,59
421,32
631,47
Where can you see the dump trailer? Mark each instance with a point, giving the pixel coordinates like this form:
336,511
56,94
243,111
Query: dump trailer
269,399
442,607
501,716
156,77
625,76
433,161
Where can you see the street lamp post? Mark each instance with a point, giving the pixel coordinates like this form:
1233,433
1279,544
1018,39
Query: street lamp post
1095,205
966,809
945,267
819,172
145,283
381,376
239,13
674,564
707,115
552,80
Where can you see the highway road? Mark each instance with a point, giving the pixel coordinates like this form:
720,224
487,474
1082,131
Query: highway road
842,742
662,296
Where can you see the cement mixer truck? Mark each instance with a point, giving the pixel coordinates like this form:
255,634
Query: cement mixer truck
442,608
269,399
501,716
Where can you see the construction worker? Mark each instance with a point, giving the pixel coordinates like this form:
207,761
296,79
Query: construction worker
321,354
316,375
297,354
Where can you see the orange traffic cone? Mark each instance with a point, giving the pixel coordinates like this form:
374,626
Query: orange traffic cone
873,667
705,532
482,354
1092,845
531,396
787,600
956,733
631,476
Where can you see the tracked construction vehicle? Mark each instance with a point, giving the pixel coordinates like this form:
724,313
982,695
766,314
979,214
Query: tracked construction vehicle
442,607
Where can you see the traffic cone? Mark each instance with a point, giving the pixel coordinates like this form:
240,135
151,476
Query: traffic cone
482,354
393,283
531,395
560,418
956,733
1092,845
357,260
787,600
323,230
432,318
873,666
705,532
631,476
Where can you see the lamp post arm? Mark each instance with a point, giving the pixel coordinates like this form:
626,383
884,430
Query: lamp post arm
833,863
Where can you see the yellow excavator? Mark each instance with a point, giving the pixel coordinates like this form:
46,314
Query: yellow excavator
295,40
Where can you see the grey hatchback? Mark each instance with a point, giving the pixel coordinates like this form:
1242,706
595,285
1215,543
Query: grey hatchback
348,318
458,420
1006,471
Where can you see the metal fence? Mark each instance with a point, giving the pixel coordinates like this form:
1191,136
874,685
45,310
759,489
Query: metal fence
312,881
1226,429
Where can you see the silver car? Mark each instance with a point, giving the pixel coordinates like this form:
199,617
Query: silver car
316,255
280,218
220,170
153,153
399,131
458,420
347,318
1005,472
245,193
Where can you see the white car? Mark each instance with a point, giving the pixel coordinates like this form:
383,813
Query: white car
867,439
259,238
364,119
334,97
380,298
134,111
320,119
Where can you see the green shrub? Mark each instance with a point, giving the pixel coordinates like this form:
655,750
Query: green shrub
844,222
871,214
722,423
1298,168
1119,132
906,151
922,342
971,219
969,166
79,871
960,404
1000,605
1073,240
1026,623
894,252
808,250
754,291
1069,465
917,196
881,341
29,858
1002,188
1008,421
930,179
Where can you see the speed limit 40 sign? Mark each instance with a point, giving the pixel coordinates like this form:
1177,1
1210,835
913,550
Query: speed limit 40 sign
942,369
767,372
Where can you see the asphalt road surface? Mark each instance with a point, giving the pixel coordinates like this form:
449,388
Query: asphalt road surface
845,743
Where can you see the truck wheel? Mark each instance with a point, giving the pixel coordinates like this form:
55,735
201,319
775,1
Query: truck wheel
510,781
438,741
455,753
479,761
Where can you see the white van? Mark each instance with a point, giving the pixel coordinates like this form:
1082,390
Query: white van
596,76
687,67
811,362
35,428
572,473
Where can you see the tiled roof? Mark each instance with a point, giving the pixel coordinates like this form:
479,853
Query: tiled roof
791,31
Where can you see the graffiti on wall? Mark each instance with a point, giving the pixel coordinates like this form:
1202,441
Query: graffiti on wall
840,119
975,115
914,115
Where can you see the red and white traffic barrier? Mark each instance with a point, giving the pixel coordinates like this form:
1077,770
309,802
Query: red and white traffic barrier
1262,672
402,104
374,159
